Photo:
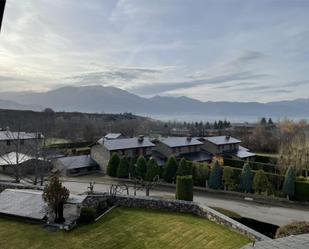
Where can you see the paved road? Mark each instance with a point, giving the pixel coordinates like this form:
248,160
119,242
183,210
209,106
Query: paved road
271,214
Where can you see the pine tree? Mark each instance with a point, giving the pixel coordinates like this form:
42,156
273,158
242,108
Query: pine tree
123,168
113,165
141,167
132,167
184,168
170,169
289,183
260,182
246,178
215,176
184,188
153,170
200,173
227,178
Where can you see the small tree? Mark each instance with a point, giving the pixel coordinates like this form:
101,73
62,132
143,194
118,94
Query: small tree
200,174
123,168
260,182
289,183
132,167
184,168
170,169
141,167
153,170
56,195
113,164
184,188
228,178
215,176
246,178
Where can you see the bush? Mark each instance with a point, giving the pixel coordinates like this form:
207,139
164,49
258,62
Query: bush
153,170
289,183
184,168
184,188
123,168
294,228
267,167
200,173
113,165
246,179
170,169
215,176
228,178
260,182
87,215
141,167
302,191
132,167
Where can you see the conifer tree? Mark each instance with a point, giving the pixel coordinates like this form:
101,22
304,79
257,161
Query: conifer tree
113,165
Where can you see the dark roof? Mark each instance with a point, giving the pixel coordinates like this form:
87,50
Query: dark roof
12,135
198,156
180,141
23,203
127,143
112,135
220,140
75,162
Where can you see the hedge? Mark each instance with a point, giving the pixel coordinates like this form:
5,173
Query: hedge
184,188
266,159
301,191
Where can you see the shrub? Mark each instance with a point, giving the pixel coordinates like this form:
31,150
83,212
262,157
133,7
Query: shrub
123,168
260,182
184,168
184,188
246,178
200,173
87,215
153,170
141,167
228,178
215,176
289,183
294,228
113,165
132,167
302,191
170,169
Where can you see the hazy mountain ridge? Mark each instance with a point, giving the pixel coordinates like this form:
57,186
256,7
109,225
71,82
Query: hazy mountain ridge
115,100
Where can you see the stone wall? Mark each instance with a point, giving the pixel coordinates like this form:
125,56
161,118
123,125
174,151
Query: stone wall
100,200
5,185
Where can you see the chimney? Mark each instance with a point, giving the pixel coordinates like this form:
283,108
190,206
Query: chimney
227,137
189,138
140,138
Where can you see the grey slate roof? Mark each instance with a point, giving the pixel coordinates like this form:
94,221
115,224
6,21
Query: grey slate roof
23,203
243,154
75,162
221,140
112,135
127,143
12,135
180,141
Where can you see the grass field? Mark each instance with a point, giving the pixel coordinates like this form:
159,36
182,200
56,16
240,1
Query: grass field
125,228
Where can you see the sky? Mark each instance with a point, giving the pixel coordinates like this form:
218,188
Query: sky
233,50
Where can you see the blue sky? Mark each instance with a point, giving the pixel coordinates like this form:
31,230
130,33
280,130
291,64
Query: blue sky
235,50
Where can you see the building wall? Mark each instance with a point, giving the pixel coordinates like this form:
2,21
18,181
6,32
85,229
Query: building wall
218,149
26,146
176,151
100,155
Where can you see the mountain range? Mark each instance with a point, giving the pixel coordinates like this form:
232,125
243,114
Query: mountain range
114,100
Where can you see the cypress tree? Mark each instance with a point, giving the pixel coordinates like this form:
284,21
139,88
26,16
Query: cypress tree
184,168
170,169
113,164
132,167
289,183
184,188
141,167
246,178
260,181
123,169
153,170
227,178
215,176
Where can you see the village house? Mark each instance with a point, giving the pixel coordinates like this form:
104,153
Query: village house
182,147
128,147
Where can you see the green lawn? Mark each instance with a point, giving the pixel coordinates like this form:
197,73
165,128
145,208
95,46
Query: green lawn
125,228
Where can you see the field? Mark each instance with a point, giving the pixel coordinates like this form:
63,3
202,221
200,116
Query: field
125,228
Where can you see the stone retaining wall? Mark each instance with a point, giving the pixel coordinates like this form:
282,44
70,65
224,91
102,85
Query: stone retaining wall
99,200
5,185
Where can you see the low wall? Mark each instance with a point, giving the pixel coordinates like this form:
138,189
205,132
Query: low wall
5,185
99,200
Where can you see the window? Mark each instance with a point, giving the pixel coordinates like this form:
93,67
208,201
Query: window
8,142
22,142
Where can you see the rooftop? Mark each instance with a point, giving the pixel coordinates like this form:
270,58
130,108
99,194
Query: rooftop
180,141
75,162
14,135
198,156
23,203
127,143
220,140
112,135
11,158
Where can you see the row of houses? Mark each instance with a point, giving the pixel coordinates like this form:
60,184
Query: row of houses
200,149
